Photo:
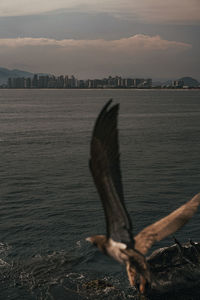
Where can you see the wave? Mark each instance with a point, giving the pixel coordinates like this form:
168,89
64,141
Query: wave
61,275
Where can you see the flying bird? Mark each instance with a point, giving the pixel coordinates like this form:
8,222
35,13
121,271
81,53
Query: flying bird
119,242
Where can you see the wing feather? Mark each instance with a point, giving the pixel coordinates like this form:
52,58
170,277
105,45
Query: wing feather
105,168
166,226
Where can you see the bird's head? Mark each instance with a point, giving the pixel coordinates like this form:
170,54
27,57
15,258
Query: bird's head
99,241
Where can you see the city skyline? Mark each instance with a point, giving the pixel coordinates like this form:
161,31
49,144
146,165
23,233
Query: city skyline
41,81
65,81
91,39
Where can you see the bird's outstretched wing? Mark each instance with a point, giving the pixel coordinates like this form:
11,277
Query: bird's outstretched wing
105,167
166,226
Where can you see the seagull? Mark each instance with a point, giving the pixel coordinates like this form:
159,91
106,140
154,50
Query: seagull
119,242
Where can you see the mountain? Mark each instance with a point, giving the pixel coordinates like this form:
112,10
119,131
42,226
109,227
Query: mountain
6,73
189,81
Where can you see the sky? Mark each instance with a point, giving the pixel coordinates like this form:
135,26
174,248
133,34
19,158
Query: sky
94,39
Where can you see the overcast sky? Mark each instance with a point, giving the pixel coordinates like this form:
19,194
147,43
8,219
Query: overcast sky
145,38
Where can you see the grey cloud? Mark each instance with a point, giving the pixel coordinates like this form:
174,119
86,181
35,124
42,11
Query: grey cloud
139,55
145,10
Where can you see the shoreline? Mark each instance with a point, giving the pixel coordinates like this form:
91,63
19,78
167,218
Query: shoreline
87,89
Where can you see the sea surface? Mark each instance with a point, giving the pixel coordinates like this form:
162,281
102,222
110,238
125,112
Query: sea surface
49,204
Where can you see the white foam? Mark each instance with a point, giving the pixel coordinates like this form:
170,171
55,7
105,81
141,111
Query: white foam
4,247
3,263
78,243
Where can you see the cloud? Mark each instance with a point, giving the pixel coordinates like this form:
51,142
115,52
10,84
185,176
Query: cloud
138,54
155,11
133,44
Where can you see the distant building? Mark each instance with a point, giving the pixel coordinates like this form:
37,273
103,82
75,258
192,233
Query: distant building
28,83
35,82
10,83
147,83
177,83
43,82
52,83
60,82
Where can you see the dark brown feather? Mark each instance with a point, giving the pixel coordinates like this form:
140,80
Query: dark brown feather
105,168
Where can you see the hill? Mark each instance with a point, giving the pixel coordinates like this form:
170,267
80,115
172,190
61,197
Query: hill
6,73
189,81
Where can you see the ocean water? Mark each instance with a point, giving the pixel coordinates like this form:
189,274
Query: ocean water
48,202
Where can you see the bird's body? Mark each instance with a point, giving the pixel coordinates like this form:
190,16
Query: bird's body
115,250
109,247
120,243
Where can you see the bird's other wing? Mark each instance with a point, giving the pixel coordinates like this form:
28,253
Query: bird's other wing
105,168
166,226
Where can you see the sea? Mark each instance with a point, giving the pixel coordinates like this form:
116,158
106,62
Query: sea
48,201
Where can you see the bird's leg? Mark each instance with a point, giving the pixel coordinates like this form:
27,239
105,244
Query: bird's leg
142,284
131,272
132,278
